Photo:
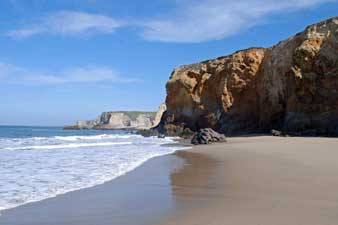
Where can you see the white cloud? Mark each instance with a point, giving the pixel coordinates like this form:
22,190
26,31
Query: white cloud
191,21
68,23
204,20
16,75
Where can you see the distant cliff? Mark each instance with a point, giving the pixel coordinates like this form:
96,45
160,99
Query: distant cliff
120,120
292,86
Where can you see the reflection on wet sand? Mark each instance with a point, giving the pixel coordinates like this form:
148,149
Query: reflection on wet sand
192,184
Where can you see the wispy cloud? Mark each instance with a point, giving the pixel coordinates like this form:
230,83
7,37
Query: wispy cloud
68,23
191,21
7,71
17,75
204,20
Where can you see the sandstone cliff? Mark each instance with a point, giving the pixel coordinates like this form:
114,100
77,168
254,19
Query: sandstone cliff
118,120
292,86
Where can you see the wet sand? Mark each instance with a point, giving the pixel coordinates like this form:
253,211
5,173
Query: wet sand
246,181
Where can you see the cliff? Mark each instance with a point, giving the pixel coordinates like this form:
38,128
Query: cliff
292,86
161,109
119,120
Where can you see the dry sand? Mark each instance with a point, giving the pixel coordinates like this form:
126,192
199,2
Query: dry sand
258,181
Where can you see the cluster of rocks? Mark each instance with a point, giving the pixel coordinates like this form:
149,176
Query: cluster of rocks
292,87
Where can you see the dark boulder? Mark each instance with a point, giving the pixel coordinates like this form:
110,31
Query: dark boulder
277,133
207,136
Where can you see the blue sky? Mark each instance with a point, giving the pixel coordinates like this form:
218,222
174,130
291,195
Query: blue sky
72,59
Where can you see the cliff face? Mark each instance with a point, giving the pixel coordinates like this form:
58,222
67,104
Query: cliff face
291,86
118,120
161,109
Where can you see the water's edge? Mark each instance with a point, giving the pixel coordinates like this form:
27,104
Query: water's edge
178,145
141,196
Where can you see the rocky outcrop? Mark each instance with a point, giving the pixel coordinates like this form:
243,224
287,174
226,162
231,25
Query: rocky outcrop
161,109
113,120
118,120
88,124
292,87
207,136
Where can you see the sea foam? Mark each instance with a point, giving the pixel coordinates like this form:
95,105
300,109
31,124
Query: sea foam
60,164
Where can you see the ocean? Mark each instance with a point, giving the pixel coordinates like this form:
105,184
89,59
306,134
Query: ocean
42,162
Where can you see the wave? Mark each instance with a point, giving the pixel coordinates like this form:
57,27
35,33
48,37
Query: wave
83,161
75,137
72,145
101,176
95,137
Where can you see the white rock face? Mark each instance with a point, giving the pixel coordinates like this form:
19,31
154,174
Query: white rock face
86,124
159,114
119,120
122,120
143,121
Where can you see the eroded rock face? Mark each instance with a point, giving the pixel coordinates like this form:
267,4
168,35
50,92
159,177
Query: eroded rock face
114,120
292,86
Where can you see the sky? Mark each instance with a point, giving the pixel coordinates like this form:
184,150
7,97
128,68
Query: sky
64,60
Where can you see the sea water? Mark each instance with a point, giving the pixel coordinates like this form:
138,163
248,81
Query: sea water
41,162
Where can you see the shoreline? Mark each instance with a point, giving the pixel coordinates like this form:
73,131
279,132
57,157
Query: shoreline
111,202
89,187
101,178
248,180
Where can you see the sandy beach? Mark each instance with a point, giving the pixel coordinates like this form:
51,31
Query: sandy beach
259,181
248,180
191,112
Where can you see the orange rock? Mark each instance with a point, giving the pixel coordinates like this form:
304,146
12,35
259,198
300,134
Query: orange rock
292,86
